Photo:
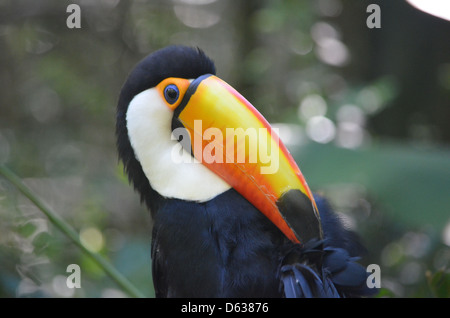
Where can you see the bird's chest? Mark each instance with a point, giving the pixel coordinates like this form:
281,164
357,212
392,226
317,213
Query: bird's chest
224,248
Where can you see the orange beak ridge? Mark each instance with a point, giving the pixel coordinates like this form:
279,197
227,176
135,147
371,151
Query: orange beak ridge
231,138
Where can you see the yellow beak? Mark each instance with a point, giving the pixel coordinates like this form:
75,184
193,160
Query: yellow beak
231,138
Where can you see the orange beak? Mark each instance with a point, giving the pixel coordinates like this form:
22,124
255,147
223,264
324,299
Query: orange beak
231,138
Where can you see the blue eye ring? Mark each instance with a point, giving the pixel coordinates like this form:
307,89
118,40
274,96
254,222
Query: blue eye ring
171,93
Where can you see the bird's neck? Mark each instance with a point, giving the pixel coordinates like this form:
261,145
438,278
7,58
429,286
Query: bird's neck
171,171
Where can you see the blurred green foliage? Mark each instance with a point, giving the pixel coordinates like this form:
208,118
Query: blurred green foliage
364,111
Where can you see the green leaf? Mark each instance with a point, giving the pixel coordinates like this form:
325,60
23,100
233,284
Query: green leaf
27,229
385,293
439,283
69,232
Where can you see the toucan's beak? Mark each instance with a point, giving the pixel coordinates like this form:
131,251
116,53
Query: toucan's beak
230,137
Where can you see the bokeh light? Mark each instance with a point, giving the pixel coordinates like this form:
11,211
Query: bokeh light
437,8
364,112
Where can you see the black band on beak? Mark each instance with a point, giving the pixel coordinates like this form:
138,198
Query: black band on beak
187,96
176,123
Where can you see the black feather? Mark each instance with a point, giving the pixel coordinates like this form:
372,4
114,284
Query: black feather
172,61
335,273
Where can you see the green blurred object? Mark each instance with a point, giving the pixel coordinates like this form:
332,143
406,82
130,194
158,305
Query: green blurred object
70,233
439,283
411,183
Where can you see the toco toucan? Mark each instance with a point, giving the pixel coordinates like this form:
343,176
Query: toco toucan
232,213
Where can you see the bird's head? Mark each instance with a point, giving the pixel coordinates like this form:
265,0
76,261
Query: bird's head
184,133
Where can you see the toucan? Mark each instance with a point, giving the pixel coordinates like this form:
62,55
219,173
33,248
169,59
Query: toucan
232,213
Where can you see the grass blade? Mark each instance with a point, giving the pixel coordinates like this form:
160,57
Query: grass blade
64,227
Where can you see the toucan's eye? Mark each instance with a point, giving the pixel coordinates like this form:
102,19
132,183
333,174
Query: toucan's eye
171,93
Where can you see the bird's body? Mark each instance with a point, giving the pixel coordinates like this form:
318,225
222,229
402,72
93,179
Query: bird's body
212,252
226,248
224,228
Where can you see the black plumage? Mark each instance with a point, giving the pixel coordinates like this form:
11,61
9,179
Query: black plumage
173,61
225,247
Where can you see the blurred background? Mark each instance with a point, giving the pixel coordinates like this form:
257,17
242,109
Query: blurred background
364,111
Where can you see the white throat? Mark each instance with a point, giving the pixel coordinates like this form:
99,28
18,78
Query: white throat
149,123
